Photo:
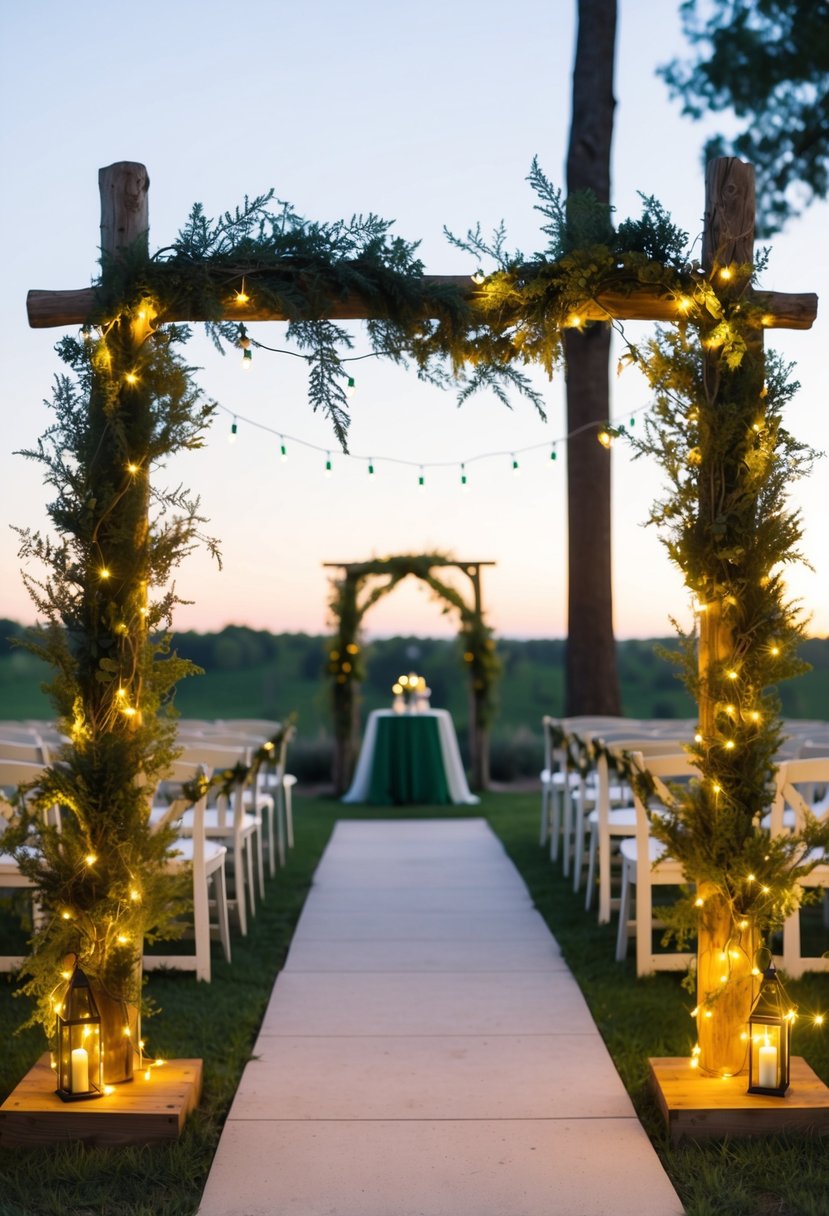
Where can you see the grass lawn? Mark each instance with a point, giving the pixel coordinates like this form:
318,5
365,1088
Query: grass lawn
779,1176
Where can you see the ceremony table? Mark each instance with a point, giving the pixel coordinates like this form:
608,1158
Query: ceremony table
410,758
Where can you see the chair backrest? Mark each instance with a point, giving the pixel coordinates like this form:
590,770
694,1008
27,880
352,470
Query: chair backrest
797,781
215,758
31,751
676,766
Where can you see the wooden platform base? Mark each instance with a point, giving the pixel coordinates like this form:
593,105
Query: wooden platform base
139,1112
700,1108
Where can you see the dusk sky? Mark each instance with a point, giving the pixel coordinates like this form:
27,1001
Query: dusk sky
429,115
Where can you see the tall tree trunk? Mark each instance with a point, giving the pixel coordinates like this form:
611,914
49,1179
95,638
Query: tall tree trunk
592,682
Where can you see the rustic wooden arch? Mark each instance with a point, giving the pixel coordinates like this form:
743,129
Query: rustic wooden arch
351,599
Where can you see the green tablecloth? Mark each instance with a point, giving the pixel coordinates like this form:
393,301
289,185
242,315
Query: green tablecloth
408,763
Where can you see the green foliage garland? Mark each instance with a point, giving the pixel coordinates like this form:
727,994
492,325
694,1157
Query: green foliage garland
345,662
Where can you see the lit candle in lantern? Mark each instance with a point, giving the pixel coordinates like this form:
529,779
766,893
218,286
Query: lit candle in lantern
80,1070
768,1065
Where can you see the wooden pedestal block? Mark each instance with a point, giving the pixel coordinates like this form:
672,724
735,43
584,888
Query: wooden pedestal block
700,1108
138,1112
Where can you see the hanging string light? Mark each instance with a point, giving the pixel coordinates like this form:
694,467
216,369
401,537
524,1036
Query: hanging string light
606,436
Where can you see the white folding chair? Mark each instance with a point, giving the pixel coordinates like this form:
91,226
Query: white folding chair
799,784
644,866
613,818
226,820
206,861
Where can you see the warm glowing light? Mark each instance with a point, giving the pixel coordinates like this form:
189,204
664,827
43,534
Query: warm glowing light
730,745
135,895
131,378
775,651
109,1089
708,1014
148,1074
103,573
716,787
699,903
90,859
725,273
129,711
684,303
750,878
478,277
732,675
66,915
121,692
818,1019
698,737
694,1062
605,438
743,924
766,890
66,975
122,939
242,296
132,467
573,321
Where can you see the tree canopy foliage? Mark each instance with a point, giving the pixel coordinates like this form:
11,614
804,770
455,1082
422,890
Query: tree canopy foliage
768,62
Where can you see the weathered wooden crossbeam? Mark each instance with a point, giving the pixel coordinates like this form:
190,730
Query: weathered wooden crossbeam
780,310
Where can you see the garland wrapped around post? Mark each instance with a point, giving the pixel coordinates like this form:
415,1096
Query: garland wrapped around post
101,877
717,432
345,662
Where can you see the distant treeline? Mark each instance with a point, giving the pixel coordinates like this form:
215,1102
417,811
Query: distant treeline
255,673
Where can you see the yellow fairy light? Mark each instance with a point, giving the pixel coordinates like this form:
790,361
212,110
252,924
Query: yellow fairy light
699,902
605,438
135,895
766,890
716,787
743,924
696,1050
732,675
694,1062
573,321
132,467
129,711
684,303
90,859
242,296
66,915
131,378
818,1019
708,1014
58,1006
104,573
109,1089
750,878
698,737
148,1074
730,745
726,273
695,1011
66,975
127,1032
774,651
122,939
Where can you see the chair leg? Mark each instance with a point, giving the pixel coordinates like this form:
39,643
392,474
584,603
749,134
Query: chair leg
271,857
239,887
260,861
591,866
624,915
567,831
220,888
247,853
555,824
604,884
545,813
201,926
289,811
280,825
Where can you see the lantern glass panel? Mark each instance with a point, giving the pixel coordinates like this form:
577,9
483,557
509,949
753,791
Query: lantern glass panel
79,1043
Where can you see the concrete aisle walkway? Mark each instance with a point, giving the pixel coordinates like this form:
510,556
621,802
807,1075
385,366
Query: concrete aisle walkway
426,1052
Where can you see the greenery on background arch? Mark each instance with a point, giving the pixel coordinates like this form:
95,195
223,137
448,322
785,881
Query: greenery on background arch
348,607
130,401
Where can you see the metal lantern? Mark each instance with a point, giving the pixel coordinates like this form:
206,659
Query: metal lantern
770,1032
80,1061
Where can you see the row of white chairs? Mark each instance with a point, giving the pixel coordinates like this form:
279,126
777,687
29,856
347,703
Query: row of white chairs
244,822
599,809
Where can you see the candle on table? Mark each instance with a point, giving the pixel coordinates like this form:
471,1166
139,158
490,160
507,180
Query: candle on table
80,1070
768,1066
